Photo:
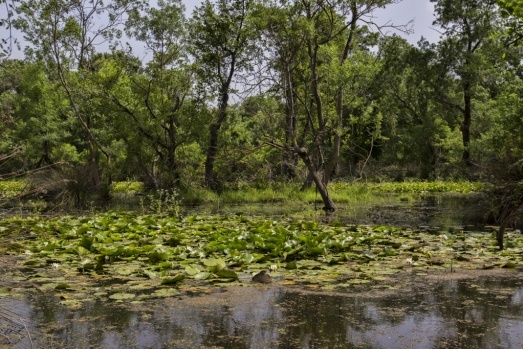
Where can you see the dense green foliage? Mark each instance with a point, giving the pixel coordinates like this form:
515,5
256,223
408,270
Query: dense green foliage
246,91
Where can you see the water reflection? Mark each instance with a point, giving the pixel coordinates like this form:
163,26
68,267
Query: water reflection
485,312
439,209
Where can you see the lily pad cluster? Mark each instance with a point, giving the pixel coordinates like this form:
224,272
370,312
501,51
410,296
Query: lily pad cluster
150,251
430,187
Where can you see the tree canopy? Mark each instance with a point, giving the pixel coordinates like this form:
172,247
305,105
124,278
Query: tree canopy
250,91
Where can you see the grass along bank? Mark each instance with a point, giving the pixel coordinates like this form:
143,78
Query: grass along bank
132,195
341,192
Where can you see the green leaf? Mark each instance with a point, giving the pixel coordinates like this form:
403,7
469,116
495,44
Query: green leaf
82,251
157,256
247,258
62,287
291,265
202,275
122,296
87,242
173,280
227,273
214,264
193,269
150,274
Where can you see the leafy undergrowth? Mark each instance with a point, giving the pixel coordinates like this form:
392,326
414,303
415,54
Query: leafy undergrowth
130,257
430,187
9,189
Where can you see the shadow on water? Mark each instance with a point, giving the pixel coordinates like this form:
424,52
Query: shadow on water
438,209
444,311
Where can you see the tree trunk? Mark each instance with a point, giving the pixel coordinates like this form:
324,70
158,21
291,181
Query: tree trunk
332,163
302,152
465,126
290,159
322,189
212,150
214,129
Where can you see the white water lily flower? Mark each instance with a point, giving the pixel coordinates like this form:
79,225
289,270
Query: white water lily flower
55,265
85,261
410,260
444,236
273,267
201,255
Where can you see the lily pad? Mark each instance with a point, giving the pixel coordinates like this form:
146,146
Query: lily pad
172,280
122,296
192,269
227,273
204,275
214,264
62,287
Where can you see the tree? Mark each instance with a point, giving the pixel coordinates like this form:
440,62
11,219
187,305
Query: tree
6,22
513,7
64,35
155,98
467,25
416,128
37,111
312,44
222,46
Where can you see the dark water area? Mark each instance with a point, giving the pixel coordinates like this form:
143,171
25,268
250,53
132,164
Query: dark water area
440,210
414,210
483,310
428,210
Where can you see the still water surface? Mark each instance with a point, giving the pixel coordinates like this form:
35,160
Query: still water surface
483,310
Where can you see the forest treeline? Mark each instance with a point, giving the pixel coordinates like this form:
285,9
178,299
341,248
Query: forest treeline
250,91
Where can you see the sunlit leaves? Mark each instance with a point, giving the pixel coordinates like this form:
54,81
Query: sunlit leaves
513,7
164,251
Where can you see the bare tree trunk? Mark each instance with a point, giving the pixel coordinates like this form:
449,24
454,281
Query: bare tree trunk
214,129
465,126
317,178
332,162
292,130
212,150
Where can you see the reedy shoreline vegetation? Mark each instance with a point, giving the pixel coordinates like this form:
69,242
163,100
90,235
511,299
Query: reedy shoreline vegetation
279,193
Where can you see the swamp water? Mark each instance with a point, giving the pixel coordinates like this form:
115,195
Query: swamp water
481,309
413,309
427,210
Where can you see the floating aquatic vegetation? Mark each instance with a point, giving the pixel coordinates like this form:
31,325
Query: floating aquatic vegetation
78,253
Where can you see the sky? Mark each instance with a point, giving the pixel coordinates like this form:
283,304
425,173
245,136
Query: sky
420,11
